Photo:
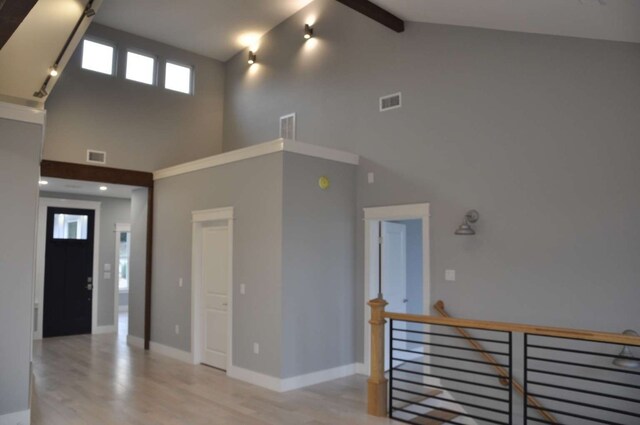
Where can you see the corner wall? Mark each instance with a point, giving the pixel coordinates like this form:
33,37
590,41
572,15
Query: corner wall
20,148
538,133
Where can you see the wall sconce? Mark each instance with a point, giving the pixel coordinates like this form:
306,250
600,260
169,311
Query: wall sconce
308,31
465,228
252,58
625,358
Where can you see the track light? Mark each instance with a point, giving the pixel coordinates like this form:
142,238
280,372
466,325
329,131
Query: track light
308,31
53,71
103,188
252,58
90,12
41,93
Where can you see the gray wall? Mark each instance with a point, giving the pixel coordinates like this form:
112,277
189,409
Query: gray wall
254,188
539,133
20,148
112,211
318,265
141,127
415,299
138,262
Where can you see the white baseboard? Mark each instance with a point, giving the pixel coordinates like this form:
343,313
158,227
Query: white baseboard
293,383
135,341
174,353
109,329
361,369
255,378
16,418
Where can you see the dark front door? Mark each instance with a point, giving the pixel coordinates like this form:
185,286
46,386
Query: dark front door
68,273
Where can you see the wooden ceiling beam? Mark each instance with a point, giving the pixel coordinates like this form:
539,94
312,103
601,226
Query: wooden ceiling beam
12,13
376,13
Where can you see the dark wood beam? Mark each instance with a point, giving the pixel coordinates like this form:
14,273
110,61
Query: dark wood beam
12,13
70,171
376,13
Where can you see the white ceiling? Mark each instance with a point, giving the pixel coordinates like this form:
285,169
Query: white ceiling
617,20
213,28
79,187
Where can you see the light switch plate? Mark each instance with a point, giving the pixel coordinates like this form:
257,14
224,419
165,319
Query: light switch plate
107,275
370,178
256,348
180,283
450,275
107,267
243,289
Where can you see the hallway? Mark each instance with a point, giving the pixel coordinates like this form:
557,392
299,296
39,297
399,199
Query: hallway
99,380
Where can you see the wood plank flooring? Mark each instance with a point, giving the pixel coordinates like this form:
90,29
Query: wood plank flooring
99,380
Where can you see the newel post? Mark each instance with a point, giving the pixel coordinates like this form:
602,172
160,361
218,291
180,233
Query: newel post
377,384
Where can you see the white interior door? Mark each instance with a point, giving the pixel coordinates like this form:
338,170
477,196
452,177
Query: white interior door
215,299
394,278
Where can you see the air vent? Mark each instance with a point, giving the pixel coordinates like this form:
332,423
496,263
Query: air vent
96,157
288,127
392,101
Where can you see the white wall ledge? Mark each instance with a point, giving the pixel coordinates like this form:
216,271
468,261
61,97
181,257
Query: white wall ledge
278,145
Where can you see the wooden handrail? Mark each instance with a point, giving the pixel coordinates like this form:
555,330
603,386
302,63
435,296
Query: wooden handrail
439,306
517,327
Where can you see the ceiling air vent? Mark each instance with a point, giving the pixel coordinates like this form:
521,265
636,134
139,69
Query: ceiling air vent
96,157
288,127
392,101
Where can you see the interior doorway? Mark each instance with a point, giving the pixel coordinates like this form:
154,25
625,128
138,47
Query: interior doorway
212,288
397,267
122,279
68,283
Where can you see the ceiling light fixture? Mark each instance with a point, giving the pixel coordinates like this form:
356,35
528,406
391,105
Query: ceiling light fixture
53,71
252,58
465,228
308,31
43,182
103,188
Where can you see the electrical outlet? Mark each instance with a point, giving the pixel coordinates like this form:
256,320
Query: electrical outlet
107,267
450,275
180,283
370,178
177,329
256,348
243,289
107,275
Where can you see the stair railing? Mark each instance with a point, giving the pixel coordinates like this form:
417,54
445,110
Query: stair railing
604,387
439,307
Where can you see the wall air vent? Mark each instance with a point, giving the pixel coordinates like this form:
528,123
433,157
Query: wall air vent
392,101
288,127
96,157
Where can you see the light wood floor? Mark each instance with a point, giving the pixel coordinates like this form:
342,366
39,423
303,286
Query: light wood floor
99,380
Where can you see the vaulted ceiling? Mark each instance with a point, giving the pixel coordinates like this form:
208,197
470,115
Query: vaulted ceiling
617,20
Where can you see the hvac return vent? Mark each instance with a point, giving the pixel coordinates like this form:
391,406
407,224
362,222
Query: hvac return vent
392,101
96,157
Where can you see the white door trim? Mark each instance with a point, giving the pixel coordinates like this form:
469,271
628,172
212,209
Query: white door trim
43,205
119,228
372,216
201,219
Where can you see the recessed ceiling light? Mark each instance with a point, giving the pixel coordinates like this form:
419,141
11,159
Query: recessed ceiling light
43,182
103,188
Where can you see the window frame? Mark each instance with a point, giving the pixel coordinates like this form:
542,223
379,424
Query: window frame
192,77
145,53
114,54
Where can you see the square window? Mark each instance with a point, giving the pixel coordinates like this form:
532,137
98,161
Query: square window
97,57
141,68
68,226
177,78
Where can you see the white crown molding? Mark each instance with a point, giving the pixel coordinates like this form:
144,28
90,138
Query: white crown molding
14,112
278,145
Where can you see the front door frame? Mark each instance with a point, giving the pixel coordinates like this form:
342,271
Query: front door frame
372,216
200,220
43,208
